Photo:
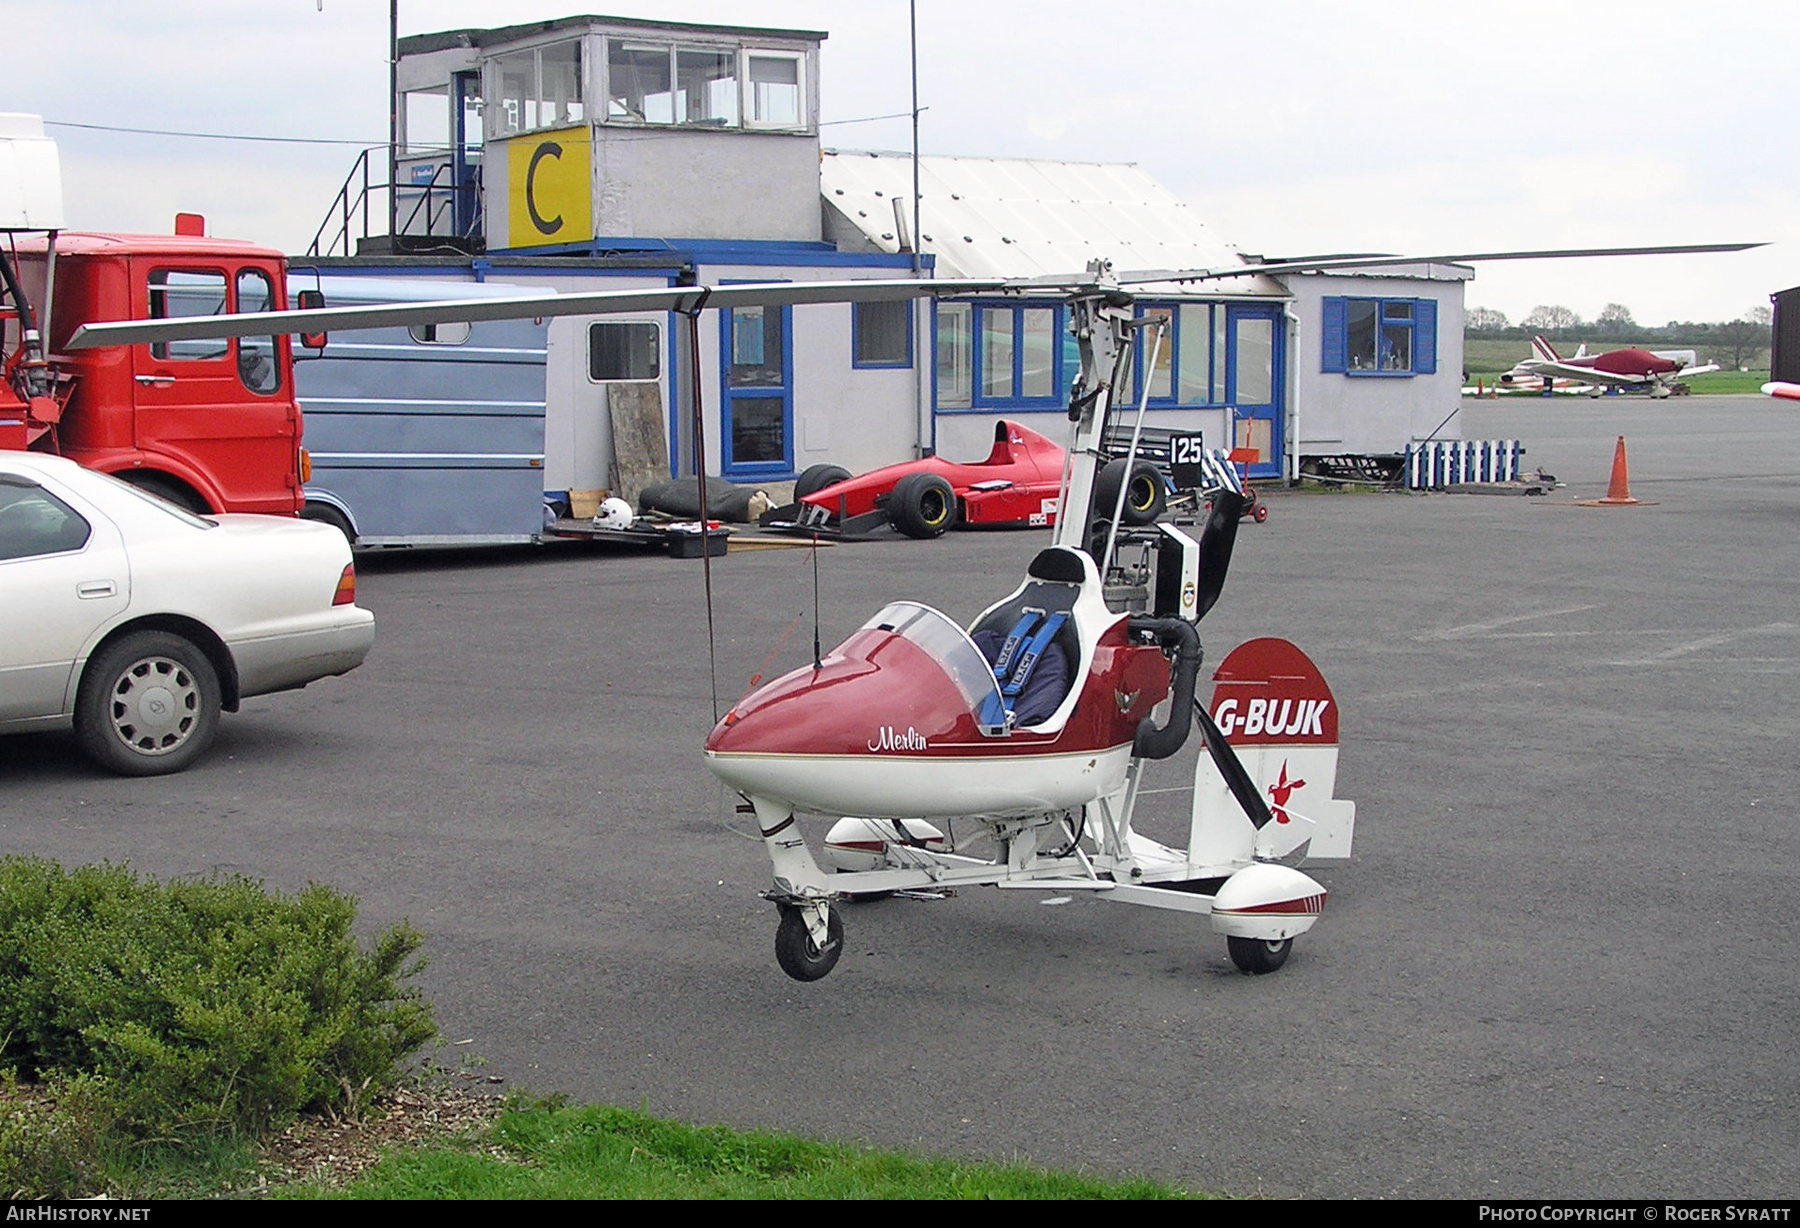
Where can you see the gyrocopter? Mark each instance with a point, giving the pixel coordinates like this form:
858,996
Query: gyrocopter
1027,733
1032,727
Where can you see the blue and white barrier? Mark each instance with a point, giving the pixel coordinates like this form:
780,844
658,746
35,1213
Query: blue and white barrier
1447,462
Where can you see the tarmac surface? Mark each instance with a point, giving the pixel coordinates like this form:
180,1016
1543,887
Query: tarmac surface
1561,964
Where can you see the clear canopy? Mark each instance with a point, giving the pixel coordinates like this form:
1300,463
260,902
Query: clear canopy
949,645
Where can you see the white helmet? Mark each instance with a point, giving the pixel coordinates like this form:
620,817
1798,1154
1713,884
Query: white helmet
614,513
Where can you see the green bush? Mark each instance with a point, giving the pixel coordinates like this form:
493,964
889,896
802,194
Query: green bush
203,1005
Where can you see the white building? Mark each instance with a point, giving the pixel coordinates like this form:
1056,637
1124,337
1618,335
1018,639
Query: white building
620,152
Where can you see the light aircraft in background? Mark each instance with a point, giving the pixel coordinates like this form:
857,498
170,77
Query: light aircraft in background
1654,371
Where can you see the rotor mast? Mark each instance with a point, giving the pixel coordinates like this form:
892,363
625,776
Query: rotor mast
1101,321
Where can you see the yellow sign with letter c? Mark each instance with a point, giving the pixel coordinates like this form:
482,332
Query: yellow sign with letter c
550,190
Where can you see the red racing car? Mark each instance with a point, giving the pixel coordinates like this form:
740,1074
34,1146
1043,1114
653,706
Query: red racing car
1018,483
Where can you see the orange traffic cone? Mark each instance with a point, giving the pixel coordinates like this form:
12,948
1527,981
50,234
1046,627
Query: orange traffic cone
1618,491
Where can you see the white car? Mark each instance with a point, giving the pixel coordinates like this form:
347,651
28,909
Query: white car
135,623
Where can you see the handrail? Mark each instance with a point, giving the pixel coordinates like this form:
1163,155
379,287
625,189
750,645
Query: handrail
433,197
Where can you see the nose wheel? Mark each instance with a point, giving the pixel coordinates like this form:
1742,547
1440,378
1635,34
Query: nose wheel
802,954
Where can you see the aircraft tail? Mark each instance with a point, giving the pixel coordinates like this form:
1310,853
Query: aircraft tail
1280,717
1545,350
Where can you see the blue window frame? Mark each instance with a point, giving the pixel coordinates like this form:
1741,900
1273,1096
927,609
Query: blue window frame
1000,356
1190,368
881,334
756,420
1378,336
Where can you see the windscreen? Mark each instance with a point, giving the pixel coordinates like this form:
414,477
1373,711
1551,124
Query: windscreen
947,644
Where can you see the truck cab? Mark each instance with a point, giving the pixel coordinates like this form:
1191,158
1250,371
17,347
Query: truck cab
212,425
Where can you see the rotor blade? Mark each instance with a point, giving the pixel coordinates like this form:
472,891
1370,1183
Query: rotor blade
1308,263
1232,769
525,306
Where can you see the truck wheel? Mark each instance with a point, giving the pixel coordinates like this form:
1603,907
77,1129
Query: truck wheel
923,505
324,513
1258,956
168,489
817,478
148,705
1145,497
795,950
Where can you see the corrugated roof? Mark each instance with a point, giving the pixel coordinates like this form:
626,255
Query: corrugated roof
1015,217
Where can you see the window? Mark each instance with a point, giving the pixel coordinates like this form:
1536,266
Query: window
639,85
881,334
1190,369
756,348
1379,336
698,85
624,350
259,364
175,293
706,88
999,355
774,99
454,333
539,88
955,356
34,522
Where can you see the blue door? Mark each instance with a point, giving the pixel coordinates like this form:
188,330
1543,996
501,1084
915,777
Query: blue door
1254,382
756,419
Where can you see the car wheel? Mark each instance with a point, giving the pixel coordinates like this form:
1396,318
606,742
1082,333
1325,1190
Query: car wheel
1145,496
148,705
1258,956
817,478
168,489
324,513
923,505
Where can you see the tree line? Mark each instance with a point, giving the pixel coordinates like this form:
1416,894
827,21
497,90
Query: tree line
1733,344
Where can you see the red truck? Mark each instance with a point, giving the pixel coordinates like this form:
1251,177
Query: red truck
212,425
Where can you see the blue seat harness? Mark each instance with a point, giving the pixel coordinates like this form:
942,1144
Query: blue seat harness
1018,657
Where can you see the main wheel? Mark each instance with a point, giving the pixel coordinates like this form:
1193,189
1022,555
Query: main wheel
1257,955
148,705
168,489
795,950
923,505
324,513
1145,495
817,478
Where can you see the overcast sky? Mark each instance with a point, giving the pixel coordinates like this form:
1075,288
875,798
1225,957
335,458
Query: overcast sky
1299,127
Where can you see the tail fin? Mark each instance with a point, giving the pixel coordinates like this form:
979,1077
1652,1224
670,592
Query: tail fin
1545,350
1279,715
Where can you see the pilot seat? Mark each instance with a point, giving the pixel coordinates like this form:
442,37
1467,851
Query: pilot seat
1031,641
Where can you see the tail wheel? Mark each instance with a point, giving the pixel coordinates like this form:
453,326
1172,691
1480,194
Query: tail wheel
923,505
1261,513
1258,956
799,956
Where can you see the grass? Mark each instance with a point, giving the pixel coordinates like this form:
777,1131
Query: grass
549,1151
